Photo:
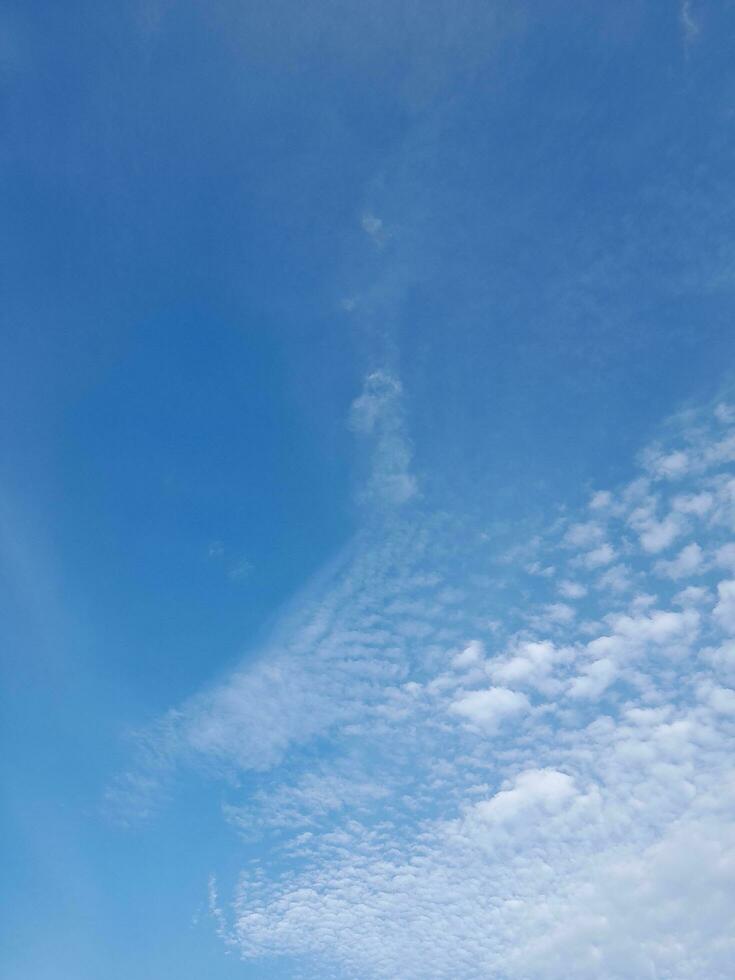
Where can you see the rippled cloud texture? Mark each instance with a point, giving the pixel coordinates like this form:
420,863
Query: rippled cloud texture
469,756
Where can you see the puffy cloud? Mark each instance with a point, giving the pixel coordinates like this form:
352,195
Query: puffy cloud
725,556
503,787
584,535
599,556
656,535
472,654
572,590
536,788
529,662
724,611
595,678
689,561
698,504
692,595
722,700
616,579
632,634
601,499
486,709
670,466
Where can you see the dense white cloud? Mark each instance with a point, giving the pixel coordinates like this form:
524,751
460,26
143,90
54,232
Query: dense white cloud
724,611
486,709
655,535
545,788
594,679
508,785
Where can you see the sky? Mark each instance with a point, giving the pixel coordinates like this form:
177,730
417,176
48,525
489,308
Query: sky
367,491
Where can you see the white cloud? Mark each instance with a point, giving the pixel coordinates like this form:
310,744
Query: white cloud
529,662
724,611
546,788
595,679
692,595
689,561
315,797
552,616
378,414
698,504
722,700
616,579
599,556
725,556
601,499
655,535
670,466
488,708
572,590
584,535
657,626
549,800
472,654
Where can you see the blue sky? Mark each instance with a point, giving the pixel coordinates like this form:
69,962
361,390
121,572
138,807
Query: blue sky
366,499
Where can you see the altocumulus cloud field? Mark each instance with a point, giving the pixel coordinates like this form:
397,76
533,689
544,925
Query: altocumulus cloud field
504,786
367,490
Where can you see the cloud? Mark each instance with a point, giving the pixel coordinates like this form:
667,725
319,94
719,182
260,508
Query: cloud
534,788
689,24
572,590
505,785
655,535
595,679
528,662
689,561
310,801
724,611
488,708
238,569
584,535
472,654
669,465
616,579
374,229
378,414
697,504
241,570
598,556
601,500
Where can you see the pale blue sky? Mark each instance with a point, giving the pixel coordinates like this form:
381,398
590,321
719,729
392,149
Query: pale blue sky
365,490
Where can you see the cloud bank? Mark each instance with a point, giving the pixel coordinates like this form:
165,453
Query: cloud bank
526,754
